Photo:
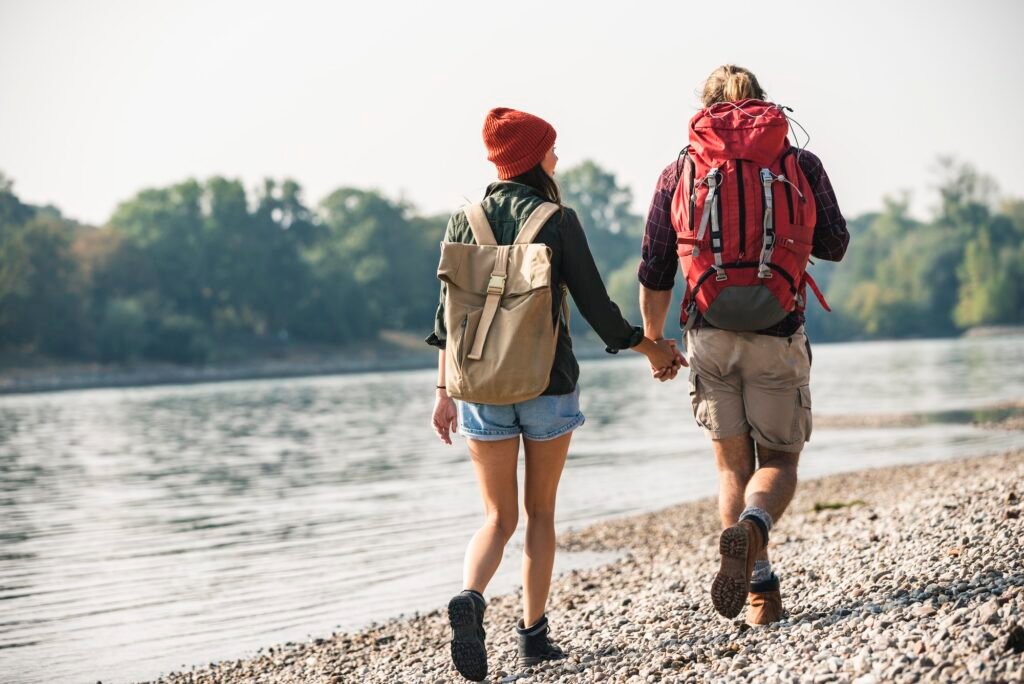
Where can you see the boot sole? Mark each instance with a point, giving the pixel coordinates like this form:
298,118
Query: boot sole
469,654
729,590
537,660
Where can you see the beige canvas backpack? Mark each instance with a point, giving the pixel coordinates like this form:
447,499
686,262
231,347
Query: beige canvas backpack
501,337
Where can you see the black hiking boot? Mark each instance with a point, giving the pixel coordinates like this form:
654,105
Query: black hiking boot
466,616
534,644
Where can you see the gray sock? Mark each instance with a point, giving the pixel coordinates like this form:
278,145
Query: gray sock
760,515
762,572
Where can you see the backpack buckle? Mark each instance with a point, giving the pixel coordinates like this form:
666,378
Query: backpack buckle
496,285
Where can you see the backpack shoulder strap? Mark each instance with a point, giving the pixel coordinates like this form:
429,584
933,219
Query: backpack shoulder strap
536,221
482,232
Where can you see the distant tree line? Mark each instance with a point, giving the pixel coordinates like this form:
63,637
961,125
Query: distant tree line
207,272
907,278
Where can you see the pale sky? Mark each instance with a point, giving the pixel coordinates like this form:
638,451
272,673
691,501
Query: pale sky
99,99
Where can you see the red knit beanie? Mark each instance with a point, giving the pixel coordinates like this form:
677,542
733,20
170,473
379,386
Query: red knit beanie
516,141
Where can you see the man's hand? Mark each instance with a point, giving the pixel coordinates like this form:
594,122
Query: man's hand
446,417
678,361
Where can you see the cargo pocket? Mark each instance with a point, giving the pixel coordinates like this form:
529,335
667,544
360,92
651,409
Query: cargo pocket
699,403
805,413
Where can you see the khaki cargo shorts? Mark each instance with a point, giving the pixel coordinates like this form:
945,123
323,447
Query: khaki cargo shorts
745,383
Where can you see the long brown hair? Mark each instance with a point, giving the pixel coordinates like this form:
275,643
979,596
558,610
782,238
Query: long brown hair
538,179
731,83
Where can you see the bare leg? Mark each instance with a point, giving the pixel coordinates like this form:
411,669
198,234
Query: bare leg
734,457
774,482
495,465
544,463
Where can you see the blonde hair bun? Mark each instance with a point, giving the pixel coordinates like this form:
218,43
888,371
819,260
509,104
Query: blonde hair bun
731,83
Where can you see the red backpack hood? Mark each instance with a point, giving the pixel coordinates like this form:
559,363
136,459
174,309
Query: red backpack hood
749,129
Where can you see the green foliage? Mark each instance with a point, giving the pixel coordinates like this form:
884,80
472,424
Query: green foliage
181,273
39,304
613,232
904,278
987,292
179,338
605,210
624,289
387,253
123,331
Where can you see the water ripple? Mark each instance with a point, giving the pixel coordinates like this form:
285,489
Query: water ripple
154,528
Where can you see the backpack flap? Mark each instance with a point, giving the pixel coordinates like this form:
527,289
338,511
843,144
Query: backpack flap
467,269
473,275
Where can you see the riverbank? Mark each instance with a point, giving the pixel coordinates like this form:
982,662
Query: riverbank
393,351
900,574
26,373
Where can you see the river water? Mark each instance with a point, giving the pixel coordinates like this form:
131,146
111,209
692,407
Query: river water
145,530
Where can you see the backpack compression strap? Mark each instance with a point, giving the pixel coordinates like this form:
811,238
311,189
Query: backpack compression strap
496,285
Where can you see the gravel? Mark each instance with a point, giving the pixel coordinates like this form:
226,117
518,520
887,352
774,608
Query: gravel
898,575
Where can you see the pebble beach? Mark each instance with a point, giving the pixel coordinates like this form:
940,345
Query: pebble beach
894,575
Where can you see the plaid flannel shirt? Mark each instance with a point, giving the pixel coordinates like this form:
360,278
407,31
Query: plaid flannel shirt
659,260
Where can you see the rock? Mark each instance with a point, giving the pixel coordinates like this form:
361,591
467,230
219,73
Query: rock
938,599
989,612
924,610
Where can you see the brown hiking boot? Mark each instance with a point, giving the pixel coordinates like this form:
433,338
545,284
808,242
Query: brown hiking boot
739,546
765,602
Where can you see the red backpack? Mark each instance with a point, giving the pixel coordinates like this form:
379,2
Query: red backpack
744,217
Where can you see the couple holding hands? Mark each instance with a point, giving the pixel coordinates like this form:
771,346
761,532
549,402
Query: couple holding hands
739,212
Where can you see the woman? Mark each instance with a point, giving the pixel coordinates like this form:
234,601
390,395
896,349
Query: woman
521,146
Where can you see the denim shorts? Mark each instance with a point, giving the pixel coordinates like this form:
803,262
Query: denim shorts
540,419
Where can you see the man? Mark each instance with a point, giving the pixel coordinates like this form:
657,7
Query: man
749,388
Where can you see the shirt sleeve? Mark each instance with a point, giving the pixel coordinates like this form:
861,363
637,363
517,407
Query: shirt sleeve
440,334
831,237
658,257
580,274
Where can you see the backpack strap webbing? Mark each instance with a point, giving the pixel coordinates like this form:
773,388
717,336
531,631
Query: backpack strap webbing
768,239
817,291
535,222
495,288
496,285
478,223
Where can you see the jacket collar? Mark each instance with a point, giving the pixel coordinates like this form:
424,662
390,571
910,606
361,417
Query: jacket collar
511,188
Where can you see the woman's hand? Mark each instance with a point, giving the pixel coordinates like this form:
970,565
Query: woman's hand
663,356
446,417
